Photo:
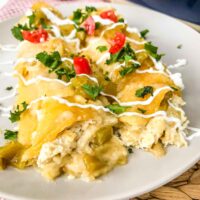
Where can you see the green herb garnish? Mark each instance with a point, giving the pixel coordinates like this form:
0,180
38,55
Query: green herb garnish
141,110
121,20
125,54
9,88
175,89
97,25
10,135
128,70
50,60
17,31
31,19
90,9
116,108
15,115
142,92
144,33
152,50
92,91
102,48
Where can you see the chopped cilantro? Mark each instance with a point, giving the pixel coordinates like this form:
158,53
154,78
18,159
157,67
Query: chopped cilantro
179,46
102,48
9,88
141,110
31,19
10,135
15,115
121,20
44,25
125,54
67,72
50,60
152,50
128,70
144,33
92,91
97,25
116,108
90,9
142,92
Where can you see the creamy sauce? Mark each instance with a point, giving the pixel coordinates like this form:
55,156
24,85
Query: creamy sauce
179,63
103,58
102,21
133,30
56,20
8,47
135,41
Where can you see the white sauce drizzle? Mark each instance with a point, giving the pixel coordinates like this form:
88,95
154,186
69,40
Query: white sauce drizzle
56,20
103,58
179,63
8,47
97,18
133,30
135,41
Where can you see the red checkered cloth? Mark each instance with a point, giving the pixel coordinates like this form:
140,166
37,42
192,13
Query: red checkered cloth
17,7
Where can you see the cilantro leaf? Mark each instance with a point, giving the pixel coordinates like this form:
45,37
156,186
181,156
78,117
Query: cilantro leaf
31,19
67,72
144,33
50,60
128,70
92,91
97,25
141,110
102,48
121,20
174,88
90,9
10,135
152,50
79,16
15,115
125,54
142,92
9,88
17,31
116,108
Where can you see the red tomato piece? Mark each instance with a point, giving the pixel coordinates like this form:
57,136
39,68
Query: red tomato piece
36,36
81,66
89,25
109,14
117,43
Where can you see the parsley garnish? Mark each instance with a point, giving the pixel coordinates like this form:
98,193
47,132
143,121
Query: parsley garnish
144,33
90,9
142,92
9,88
152,50
141,110
125,54
15,115
92,91
128,70
10,135
67,72
102,48
121,20
116,108
44,25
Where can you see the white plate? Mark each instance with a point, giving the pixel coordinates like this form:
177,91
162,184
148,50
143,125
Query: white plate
143,172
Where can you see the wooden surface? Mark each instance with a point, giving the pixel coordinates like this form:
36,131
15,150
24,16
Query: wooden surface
186,186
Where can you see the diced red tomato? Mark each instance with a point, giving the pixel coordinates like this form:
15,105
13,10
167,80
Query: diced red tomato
35,36
89,25
81,66
109,14
117,43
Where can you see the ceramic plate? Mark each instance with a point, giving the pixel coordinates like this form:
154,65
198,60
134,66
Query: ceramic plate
143,172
